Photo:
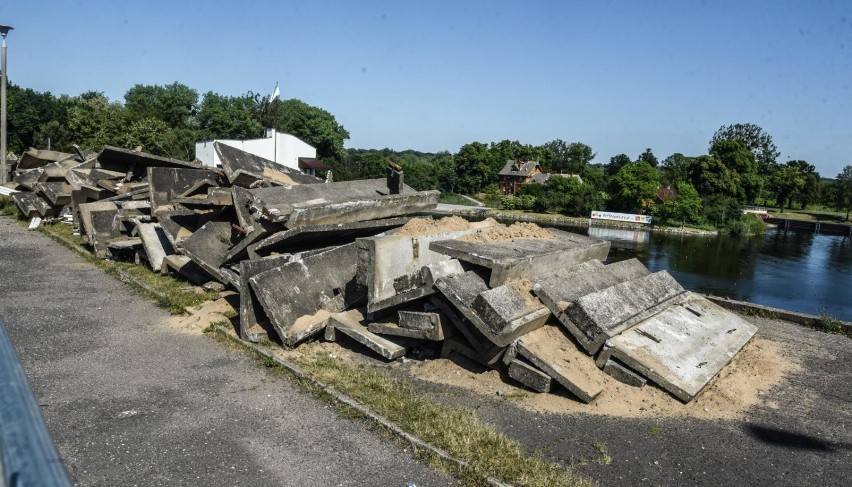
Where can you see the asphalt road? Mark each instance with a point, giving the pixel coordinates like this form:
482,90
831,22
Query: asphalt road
133,402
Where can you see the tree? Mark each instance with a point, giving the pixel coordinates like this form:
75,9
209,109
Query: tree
809,193
740,161
616,163
27,111
94,121
844,190
174,104
473,170
635,186
722,211
579,155
229,117
649,157
786,182
309,123
675,168
755,139
685,207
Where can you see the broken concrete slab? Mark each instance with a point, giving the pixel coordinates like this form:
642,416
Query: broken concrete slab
58,194
184,266
155,242
623,373
683,347
372,208
302,238
247,170
529,376
26,203
340,202
391,266
34,158
180,223
484,352
425,326
209,245
549,349
214,196
351,324
525,258
251,311
166,183
29,178
458,345
124,160
464,289
604,314
319,282
510,307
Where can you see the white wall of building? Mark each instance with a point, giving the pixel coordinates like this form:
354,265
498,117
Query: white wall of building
284,149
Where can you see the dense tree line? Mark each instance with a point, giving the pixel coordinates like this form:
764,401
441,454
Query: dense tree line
164,120
741,165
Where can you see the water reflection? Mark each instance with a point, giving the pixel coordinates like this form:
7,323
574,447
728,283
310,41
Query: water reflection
798,271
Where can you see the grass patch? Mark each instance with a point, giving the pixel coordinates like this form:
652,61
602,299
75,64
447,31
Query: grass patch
603,453
454,199
9,208
656,431
173,294
455,430
829,324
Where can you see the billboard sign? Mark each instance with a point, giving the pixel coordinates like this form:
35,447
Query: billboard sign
621,217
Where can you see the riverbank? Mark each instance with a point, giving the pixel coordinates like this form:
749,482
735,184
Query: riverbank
552,219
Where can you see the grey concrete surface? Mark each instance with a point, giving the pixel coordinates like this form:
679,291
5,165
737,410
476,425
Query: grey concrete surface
131,401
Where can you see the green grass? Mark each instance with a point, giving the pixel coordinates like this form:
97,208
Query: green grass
173,294
810,215
829,324
603,453
454,199
656,431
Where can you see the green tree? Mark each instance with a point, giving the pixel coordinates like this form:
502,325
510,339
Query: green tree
174,104
473,168
649,157
844,190
686,207
27,111
740,162
309,123
616,163
94,121
786,182
721,210
676,168
809,193
634,188
755,139
229,117
579,155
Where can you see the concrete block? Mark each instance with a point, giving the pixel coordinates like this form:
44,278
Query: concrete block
623,373
101,222
419,320
627,270
166,184
209,245
458,345
58,194
124,160
26,203
247,170
251,311
525,258
298,239
29,178
181,223
391,266
603,314
486,353
77,178
320,282
418,325
155,242
339,202
510,308
351,324
184,266
529,376
445,268
549,349
463,290
683,347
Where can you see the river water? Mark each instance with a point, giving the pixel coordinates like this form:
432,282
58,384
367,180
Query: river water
797,271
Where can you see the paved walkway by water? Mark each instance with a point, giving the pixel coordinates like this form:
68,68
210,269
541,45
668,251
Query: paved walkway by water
130,401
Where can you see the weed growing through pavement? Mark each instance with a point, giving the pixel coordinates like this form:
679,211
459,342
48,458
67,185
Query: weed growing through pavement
656,431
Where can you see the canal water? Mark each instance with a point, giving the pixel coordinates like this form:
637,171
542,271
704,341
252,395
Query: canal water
798,271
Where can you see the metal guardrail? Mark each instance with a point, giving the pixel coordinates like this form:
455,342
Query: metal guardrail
28,457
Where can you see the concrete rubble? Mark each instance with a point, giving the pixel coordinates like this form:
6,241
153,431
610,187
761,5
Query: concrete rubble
358,262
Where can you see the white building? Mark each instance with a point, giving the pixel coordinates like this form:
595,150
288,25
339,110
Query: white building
284,149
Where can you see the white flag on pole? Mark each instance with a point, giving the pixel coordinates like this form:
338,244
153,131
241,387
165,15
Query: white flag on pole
275,93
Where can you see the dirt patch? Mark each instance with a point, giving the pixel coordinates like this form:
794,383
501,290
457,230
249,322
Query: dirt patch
197,319
761,365
278,176
425,226
524,287
517,231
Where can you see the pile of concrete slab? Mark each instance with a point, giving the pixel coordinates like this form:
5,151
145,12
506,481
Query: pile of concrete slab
349,261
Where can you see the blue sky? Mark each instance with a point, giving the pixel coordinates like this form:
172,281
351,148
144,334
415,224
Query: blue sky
618,76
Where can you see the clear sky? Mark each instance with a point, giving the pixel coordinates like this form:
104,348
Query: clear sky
434,75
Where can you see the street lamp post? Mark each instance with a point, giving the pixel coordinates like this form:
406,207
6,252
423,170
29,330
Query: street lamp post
4,29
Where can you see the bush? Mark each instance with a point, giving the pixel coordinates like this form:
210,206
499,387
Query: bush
748,224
